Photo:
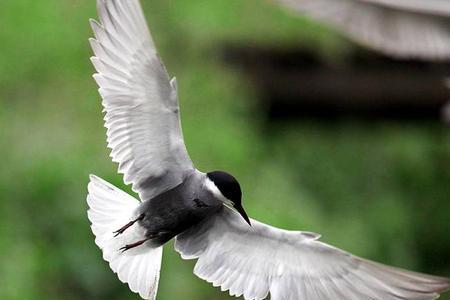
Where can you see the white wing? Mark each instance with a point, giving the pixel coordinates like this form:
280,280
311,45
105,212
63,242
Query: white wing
400,28
141,104
253,261
109,209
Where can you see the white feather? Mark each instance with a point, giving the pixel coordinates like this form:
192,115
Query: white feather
292,265
400,28
109,210
140,101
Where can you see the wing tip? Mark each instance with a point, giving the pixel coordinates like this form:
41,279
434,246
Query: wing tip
430,283
93,42
98,78
93,178
95,26
96,182
94,21
311,235
446,285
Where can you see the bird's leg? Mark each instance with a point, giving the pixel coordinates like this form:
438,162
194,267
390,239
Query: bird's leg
134,245
122,230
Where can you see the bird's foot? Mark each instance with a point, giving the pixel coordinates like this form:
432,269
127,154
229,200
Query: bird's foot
122,230
134,245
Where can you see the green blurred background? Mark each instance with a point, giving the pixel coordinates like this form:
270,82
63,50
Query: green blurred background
378,189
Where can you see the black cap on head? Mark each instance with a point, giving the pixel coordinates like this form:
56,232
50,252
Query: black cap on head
227,184
230,188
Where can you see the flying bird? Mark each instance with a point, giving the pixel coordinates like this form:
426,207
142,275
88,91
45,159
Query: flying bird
203,212
400,28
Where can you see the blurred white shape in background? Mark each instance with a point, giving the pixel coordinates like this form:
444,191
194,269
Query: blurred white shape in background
418,29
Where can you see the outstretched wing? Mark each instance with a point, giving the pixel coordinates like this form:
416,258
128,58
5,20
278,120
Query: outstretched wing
109,209
401,28
140,101
253,261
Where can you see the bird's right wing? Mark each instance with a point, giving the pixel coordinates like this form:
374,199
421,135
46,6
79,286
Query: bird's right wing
140,100
400,28
253,261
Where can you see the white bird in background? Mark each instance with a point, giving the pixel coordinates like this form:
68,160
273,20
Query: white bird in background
202,211
400,28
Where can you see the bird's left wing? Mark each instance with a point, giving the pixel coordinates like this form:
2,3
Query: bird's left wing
253,261
140,100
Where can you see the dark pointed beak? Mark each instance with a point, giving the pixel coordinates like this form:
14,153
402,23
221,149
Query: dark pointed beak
242,212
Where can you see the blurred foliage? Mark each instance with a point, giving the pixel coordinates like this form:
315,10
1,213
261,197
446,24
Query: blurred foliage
379,190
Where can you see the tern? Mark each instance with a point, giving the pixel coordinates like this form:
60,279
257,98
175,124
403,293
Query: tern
203,212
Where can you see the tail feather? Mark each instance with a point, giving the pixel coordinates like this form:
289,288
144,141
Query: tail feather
110,209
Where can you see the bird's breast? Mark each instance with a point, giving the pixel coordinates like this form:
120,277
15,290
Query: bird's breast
175,211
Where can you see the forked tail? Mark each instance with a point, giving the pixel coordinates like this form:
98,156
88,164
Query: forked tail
109,209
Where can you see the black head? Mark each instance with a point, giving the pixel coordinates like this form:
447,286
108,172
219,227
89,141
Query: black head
227,185
230,189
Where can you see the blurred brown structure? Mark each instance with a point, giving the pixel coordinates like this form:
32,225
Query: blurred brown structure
298,82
